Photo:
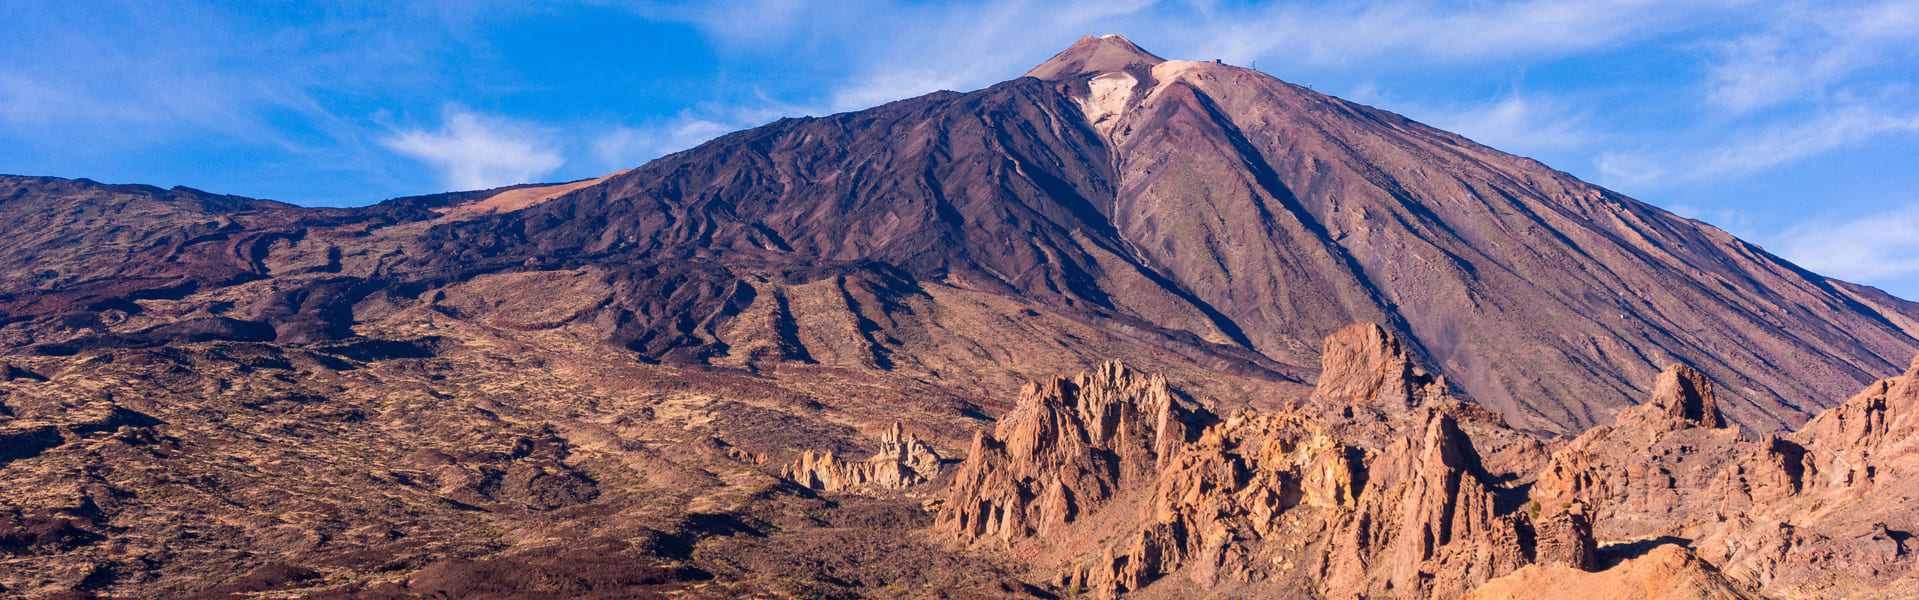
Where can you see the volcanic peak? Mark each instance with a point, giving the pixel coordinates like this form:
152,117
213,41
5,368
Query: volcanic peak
1095,55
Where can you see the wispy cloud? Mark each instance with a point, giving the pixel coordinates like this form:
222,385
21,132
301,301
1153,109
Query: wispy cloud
1755,148
623,146
1875,248
474,151
626,147
1520,123
1811,52
895,50
1436,32
1781,143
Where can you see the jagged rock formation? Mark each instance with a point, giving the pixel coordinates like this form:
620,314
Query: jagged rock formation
1876,429
1128,504
1348,496
902,461
1428,525
1821,512
1069,446
1364,364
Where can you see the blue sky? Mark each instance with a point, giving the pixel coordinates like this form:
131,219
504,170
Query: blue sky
1792,124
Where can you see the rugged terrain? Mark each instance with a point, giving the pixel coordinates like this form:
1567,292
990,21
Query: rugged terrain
1123,326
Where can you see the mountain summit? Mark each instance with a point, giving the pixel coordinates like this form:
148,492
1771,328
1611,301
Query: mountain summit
1200,217
1093,56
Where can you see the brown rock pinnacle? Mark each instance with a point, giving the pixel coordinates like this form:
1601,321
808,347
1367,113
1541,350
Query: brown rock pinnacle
1656,460
1427,525
1687,395
1363,364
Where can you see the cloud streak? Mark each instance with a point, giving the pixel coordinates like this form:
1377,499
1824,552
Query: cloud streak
473,151
1438,32
1812,52
1878,248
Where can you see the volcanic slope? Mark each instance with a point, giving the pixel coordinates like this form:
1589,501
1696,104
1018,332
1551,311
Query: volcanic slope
1191,217
1240,219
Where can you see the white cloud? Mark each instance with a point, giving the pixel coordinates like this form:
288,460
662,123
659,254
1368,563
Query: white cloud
1618,169
1879,248
1519,123
894,84
1673,158
625,147
475,151
1800,138
1438,32
896,50
1808,52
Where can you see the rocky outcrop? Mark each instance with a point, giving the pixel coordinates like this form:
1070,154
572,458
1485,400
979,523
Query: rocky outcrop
1845,527
1820,512
1686,397
1391,501
1364,364
1875,429
1659,461
1667,572
1069,446
1428,525
1564,537
902,461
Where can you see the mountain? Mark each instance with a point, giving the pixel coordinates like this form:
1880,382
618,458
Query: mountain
1197,209
1318,342
1244,218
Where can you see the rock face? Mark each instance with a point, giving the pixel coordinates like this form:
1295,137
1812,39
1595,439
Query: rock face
1687,397
1876,429
1428,525
1364,364
1258,501
1360,493
1663,460
902,461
